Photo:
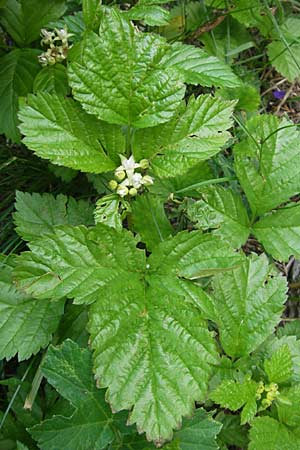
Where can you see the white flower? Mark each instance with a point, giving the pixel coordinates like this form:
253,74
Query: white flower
136,180
128,164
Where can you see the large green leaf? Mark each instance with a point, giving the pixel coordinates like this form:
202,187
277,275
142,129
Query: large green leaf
266,162
279,232
150,221
198,67
280,366
52,79
69,369
57,129
17,71
37,214
248,302
267,433
118,77
197,132
223,211
146,323
26,324
23,19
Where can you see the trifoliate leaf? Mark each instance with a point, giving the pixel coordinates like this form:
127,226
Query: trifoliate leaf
223,211
26,324
57,129
279,366
37,214
150,221
267,433
107,211
119,78
69,369
233,395
248,302
146,323
23,19
17,72
52,79
279,232
198,67
197,132
266,162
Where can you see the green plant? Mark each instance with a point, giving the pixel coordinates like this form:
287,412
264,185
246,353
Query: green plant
151,288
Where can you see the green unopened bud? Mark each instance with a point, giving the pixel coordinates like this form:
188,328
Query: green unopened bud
133,192
144,164
120,174
147,180
260,388
113,185
265,403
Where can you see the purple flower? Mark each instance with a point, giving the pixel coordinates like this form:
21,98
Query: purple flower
279,94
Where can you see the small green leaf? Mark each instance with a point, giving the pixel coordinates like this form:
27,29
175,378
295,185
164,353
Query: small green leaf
52,79
26,324
269,153
248,302
198,67
288,411
107,211
150,221
150,14
279,232
37,214
17,72
57,129
233,395
69,369
267,433
279,366
130,88
91,13
223,211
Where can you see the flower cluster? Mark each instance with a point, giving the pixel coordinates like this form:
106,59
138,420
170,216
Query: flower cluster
128,181
57,41
272,393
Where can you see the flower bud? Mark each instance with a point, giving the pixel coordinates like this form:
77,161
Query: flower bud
144,164
122,190
113,185
265,403
132,192
120,174
147,180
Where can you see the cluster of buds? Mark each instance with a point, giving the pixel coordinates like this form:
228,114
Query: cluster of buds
57,41
272,393
128,181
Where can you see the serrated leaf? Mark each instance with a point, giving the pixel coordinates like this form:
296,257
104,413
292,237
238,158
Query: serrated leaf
37,214
279,232
150,220
24,19
69,369
57,129
107,211
248,303
128,88
26,324
146,323
267,433
233,395
151,14
197,132
17,72
223,211
52,79
279,366
266,162
232,433
288,411
198,67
